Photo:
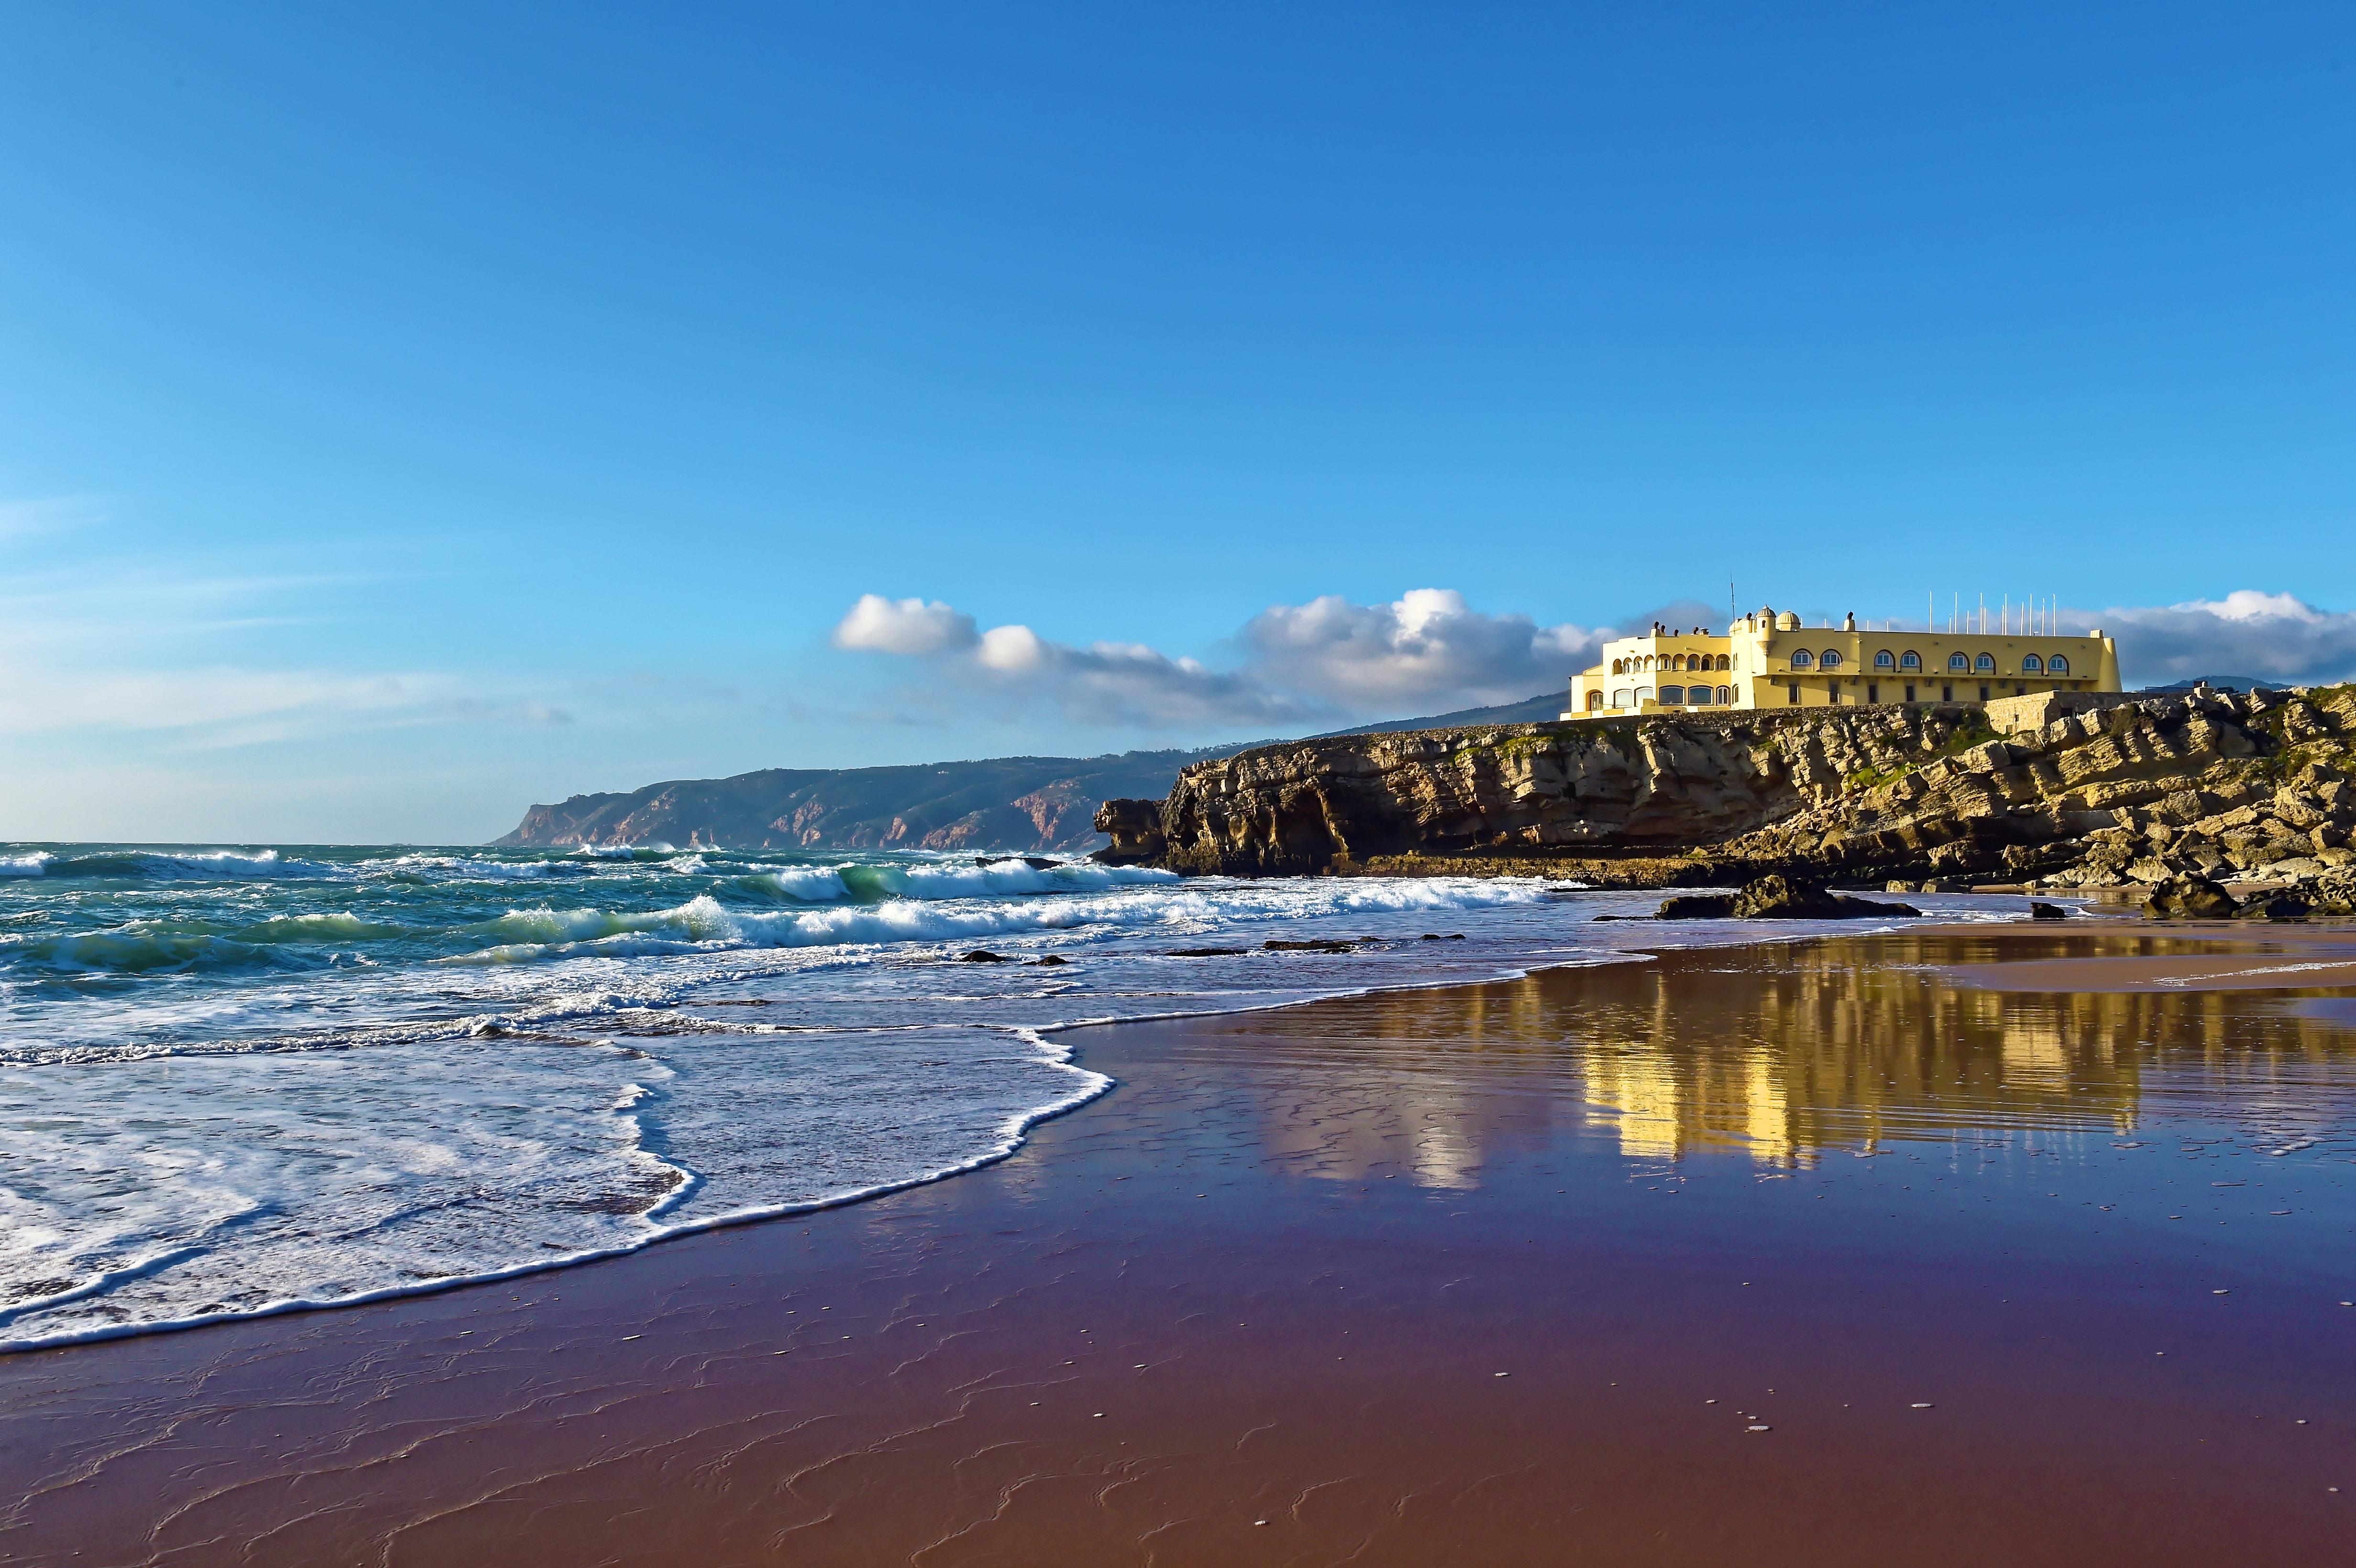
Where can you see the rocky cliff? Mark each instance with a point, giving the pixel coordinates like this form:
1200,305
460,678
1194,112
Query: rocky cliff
2204,783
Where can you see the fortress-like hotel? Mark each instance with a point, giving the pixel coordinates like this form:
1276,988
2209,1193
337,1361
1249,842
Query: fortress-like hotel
1769,660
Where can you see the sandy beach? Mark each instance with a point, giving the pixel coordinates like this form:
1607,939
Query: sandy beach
2017,1243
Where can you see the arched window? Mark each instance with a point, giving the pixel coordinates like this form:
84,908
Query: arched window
2032,665
1985,662
1699,695
1620,697
1725,695
1594,702
1678,662
1829,660
1643,695
1959,661
1672,694
1619,667
1802,658
1724,663
2056,665
1885,659
1910,660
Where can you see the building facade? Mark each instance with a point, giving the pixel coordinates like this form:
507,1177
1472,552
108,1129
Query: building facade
1767,660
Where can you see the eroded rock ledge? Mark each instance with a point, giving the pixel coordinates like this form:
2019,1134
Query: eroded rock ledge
2206,783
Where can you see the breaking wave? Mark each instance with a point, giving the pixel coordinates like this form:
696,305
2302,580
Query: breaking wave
995,879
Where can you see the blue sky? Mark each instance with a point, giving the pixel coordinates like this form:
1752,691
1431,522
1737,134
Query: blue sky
407,414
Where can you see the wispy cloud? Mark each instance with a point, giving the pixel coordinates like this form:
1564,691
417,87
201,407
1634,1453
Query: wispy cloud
24,518
133,647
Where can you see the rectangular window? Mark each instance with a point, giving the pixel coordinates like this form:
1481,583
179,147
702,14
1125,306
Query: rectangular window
1872,694
1910,694
1946,694
1795,694
1983,694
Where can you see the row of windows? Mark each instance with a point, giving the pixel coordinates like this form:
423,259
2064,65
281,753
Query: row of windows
1682,696
1831,659
1873,693
1670,662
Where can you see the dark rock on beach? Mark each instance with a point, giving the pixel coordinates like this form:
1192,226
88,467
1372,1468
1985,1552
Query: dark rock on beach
2274,906
2191,898
1689,906
983,955
1777,898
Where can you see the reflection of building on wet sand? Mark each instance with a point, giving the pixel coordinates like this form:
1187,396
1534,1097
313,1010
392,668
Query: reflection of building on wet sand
1787,1050
1664,1106
1778,1051
1784,1051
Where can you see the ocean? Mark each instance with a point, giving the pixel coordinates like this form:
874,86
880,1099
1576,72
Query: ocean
237,1081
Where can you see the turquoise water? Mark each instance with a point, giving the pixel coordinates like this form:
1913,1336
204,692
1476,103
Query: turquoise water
238,1078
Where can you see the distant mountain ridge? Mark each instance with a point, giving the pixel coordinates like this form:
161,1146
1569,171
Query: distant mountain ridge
1008,804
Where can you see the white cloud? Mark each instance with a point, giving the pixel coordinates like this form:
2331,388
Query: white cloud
1012,650
1328,658
1427,646
2272,636
909,627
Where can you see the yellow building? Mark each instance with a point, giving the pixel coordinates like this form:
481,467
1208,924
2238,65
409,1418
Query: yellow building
1769,660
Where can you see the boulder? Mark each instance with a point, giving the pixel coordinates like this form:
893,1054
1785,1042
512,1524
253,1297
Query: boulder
1781,898
1777,898
1696,906
2275,906
2047,911
2189,898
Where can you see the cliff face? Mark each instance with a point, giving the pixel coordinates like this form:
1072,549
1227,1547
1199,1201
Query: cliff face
1545,789
1017,804
2205,781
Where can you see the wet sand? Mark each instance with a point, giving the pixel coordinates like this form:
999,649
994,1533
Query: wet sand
1906,1245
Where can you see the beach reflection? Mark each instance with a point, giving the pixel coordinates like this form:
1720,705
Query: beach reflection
1782,1053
